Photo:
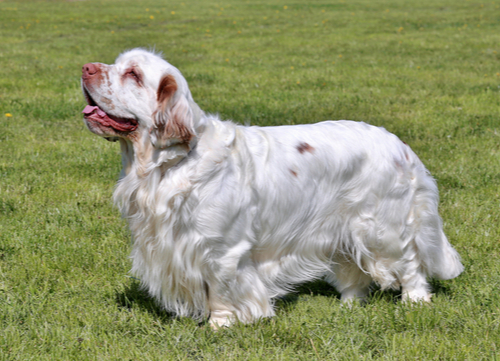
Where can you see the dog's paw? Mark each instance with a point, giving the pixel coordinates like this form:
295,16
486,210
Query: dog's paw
416,296
221,319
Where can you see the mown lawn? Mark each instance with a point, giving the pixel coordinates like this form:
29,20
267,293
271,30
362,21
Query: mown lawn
427,71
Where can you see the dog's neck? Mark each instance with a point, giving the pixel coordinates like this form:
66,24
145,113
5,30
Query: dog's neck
141,157
146,169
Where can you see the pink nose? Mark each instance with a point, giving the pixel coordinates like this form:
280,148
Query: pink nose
89,70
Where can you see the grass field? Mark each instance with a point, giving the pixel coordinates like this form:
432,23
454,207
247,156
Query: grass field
428,71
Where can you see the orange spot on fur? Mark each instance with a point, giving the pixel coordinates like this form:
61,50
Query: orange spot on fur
294,173
304,147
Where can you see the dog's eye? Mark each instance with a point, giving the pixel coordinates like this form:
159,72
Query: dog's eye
133,74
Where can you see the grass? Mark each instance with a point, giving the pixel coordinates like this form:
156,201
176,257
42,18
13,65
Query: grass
427,71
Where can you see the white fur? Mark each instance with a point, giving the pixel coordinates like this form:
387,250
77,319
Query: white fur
240,215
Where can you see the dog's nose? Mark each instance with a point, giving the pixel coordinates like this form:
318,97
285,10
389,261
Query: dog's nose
89,70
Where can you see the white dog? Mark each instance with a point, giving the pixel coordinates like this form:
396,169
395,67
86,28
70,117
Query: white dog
225,217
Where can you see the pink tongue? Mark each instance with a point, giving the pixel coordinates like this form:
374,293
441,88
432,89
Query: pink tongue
89,109
118,124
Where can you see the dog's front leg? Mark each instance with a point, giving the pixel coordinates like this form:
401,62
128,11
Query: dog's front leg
235,290
222,312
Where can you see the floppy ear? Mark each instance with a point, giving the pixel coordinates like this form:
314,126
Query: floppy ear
173,118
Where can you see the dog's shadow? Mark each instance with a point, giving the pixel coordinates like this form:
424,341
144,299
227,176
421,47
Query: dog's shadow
322,288
134,296
313,289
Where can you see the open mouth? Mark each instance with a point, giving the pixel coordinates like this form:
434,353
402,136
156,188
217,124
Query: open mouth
93,112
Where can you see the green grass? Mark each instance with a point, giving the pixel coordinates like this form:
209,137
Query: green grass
427,71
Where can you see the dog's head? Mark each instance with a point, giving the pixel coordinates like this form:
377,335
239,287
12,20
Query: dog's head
141,95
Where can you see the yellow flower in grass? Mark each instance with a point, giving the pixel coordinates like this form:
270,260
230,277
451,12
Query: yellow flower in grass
151,17
8,115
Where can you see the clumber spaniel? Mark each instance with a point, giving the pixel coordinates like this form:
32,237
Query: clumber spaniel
224,217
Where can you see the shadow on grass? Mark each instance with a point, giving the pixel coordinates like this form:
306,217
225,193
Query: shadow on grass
322,288
134,296
439,288
313,288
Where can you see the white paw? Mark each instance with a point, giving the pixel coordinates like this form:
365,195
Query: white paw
353,295
416,296
222,319
350,301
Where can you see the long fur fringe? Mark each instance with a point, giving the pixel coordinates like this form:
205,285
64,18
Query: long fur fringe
239,215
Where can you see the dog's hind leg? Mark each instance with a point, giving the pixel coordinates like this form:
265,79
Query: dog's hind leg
428,254
413,279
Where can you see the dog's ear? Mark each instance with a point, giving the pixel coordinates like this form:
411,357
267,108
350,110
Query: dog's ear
173,118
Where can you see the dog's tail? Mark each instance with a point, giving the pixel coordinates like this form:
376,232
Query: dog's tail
438,256
446,261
